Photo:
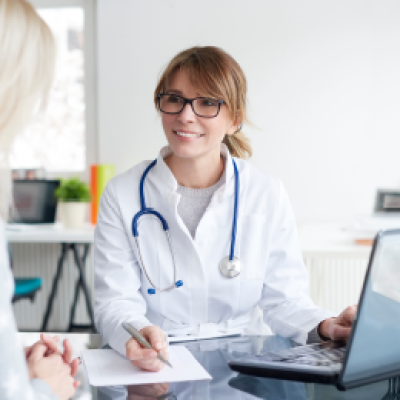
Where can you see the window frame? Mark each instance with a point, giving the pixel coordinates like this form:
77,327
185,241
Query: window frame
89,7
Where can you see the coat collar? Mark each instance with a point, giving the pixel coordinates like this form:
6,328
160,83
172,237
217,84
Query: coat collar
167,184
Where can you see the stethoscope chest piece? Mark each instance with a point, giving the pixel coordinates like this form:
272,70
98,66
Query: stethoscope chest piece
230,268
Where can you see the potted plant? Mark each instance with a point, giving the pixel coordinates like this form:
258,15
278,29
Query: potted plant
73,197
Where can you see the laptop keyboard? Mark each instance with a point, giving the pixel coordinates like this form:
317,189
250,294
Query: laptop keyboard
322,354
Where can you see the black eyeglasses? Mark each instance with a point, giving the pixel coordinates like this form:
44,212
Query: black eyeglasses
201,106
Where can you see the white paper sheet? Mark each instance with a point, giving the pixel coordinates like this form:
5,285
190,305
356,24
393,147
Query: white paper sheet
106,367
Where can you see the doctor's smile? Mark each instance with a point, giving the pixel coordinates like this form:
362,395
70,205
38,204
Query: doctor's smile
152,269
188,135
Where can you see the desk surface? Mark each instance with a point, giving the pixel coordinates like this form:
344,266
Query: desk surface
49,233
314,239
226,384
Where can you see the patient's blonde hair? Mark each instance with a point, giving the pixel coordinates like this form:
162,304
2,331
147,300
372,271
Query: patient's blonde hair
214,73
27,60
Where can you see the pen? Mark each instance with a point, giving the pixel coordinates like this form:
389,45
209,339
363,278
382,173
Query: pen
138,336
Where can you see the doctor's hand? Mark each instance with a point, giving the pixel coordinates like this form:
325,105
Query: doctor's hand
146,359
150,391
338,328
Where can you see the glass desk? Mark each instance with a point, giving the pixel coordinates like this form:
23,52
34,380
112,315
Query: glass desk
226,384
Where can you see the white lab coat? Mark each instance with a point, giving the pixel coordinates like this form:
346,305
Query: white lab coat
273,279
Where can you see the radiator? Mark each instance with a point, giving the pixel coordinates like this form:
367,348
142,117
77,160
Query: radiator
335,280
335,283
40,260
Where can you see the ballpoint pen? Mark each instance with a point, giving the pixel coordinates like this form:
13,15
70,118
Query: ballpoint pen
138,336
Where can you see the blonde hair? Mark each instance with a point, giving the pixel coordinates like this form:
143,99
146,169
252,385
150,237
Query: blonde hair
214,73
27,60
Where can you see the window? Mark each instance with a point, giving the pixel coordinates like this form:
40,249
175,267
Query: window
57,140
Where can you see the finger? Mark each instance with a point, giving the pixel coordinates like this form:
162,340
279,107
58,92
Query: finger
74,367
47,338
51,344
350,313
347,316
157,339
67,356
55,338
27,351
38,351
165,353
132,345
341,332
140,354
77,384
154,365
135,351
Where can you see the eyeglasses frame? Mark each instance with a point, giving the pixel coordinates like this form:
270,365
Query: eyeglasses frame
187,101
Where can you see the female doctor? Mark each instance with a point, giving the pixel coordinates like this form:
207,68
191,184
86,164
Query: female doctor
199,241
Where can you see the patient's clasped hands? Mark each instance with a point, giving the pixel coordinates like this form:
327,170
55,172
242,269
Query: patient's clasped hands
46,362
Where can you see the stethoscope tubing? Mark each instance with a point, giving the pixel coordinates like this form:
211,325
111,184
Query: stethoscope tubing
150,211
235,209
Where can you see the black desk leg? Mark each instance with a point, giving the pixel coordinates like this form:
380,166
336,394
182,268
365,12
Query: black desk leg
81,283
54,287
394,389
76,294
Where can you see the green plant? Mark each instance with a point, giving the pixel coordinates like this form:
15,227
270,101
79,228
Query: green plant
73,190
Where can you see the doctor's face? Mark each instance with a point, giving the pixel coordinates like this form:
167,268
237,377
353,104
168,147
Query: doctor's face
189,135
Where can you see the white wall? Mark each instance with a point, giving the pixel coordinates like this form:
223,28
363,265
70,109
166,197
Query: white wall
324,89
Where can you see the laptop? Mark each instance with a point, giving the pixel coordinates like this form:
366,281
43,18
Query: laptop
34,201
372,352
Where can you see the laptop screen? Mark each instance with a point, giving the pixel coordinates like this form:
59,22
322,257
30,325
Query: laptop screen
34,201
375,345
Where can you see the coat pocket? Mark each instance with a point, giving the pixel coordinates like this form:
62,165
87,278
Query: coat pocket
253,245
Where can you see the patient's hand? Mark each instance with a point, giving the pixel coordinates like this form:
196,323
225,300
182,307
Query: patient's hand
50,344
53,370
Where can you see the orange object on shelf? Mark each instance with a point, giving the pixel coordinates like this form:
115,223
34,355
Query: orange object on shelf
93,188
364,242
100,174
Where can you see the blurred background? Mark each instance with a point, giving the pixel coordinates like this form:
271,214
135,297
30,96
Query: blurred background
324,96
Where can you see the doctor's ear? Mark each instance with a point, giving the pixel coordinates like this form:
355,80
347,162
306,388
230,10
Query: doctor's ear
237,124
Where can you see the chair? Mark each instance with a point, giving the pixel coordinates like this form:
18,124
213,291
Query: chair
25,288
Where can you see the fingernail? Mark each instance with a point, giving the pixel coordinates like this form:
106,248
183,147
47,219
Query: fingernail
45,336
158,346
153,354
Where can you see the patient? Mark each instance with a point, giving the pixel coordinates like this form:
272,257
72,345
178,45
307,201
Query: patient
27,59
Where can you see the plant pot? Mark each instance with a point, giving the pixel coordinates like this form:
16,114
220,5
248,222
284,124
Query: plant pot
73,213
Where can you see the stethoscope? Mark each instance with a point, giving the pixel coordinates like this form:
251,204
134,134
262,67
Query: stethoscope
230,266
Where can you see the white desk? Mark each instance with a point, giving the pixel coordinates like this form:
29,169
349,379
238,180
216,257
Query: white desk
336,265
324,239
69,239
49,234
